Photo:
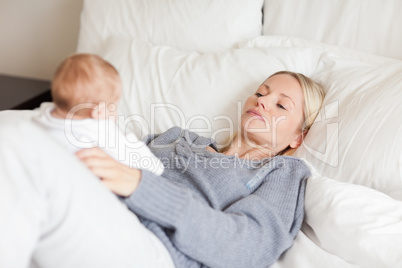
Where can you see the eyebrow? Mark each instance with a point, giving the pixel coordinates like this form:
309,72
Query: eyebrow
282,94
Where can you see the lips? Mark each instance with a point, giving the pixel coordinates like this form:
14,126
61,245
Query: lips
256,114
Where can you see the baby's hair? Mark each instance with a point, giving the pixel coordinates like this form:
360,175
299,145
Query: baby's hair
85,78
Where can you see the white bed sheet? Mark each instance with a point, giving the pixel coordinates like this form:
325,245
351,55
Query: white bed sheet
305,253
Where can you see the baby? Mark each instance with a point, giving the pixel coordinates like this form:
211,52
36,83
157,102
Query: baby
85,91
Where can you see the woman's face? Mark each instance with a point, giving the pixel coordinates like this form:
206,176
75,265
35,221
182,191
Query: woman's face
273,116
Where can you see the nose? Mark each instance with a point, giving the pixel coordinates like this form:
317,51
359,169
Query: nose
260,102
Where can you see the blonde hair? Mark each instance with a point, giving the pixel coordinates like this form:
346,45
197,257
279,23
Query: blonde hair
85,78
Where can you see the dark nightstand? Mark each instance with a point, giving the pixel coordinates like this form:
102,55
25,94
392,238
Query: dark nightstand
19,93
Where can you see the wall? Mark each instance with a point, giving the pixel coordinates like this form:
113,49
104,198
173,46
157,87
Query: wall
35,36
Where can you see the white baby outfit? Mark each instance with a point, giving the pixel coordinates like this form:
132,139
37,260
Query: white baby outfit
77,134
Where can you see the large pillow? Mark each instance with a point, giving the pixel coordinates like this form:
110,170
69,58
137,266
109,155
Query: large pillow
357,137
200,25
358,224
165,87
371,25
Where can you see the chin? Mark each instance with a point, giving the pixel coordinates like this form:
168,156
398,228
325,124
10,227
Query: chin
256,128
255,139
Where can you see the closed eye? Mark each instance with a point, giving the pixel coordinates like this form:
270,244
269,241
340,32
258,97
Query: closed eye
281,106
258,95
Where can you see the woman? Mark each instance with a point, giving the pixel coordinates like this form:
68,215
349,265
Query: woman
241,207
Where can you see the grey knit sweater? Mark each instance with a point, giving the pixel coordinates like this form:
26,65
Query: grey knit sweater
214,210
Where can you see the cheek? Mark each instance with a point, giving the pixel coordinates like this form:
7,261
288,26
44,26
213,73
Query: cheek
287,129
281,125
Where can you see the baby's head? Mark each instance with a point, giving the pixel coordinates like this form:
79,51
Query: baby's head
87,86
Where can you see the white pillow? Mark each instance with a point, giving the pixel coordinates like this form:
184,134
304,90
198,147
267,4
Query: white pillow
200,25
357,137
358,224
372,25
165,87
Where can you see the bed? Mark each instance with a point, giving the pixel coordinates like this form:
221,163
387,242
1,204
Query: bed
191,63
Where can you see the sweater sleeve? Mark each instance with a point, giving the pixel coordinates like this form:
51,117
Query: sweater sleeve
252,232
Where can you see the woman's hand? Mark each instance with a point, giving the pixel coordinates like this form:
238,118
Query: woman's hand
119,178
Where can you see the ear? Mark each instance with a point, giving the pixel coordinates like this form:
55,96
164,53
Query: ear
298,140
99,111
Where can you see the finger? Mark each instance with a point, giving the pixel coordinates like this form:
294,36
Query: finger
92,162
90,152
106,174
123,187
